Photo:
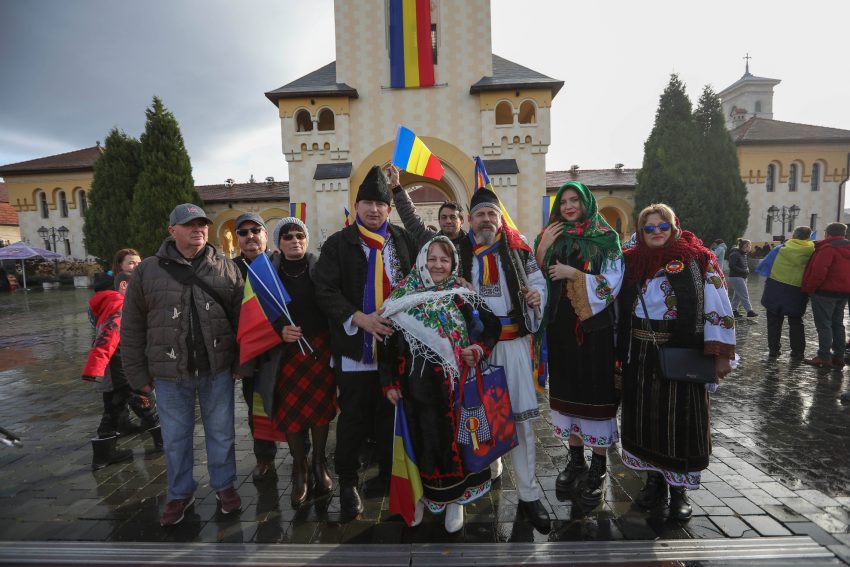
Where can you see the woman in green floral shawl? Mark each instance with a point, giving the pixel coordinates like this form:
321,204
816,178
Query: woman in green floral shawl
442,327
580,254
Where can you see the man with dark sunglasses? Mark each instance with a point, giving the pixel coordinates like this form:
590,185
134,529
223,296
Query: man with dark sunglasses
252,238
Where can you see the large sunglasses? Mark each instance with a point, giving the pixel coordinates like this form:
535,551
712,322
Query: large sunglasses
663,227
252,230
289,236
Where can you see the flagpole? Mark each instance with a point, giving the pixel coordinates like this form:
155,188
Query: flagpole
283,308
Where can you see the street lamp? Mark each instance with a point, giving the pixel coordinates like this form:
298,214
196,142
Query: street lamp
55,234
783,214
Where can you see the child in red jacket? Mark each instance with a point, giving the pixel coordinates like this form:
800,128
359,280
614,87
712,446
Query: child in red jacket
104,366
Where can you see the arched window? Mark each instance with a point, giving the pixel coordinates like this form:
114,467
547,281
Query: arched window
792,177
504,113
815,178
83,203
326,120
303,121
63,203
770,180
67,248
758,106
527,113
42,205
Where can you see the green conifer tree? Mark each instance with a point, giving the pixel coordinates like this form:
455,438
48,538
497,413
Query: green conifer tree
165,180
671,171
728,216
116,172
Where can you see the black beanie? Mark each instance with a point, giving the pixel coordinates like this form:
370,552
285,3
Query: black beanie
374,187
483,198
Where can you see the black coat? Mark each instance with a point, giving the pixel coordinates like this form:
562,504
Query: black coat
340,279
738,267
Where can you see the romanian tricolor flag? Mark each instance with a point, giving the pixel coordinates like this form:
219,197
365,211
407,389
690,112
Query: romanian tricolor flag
541,368
413,156
262,423
347,219
405,483
299,211
411,58
546,209
482,181
263,302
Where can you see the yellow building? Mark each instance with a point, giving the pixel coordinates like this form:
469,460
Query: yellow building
341,119
796,174
10,229
50,193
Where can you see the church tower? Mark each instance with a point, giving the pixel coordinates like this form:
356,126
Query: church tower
748,97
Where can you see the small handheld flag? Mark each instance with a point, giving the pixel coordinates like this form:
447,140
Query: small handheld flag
405,483
413,156
546,209
347,219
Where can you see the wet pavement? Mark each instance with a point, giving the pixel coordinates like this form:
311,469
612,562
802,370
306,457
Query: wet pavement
780,466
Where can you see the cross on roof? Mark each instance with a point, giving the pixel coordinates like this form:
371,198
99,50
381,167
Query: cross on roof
747,64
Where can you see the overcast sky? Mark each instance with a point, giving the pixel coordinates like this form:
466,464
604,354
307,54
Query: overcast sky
71,70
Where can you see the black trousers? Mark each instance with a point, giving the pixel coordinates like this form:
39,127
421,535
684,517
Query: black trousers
774,333
363,412
264,450
117,402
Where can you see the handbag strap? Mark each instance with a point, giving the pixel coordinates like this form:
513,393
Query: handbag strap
479,382
646,312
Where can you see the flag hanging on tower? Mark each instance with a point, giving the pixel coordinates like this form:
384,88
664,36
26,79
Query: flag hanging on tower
411,55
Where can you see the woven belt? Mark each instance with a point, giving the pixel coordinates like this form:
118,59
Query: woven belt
510,330
644,335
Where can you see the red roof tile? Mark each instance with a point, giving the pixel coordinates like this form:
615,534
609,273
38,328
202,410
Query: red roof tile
276,191
79,160
8,216
593,178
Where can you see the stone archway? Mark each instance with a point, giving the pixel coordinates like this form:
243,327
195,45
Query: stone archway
428,196
617,219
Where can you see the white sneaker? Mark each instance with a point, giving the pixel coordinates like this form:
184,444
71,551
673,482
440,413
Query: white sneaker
418,513
454,517
496,469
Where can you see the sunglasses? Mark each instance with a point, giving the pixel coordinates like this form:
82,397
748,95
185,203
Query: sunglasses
291,235
663,227
252,230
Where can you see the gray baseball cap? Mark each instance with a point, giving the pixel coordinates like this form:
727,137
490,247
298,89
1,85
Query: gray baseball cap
187,212
245,217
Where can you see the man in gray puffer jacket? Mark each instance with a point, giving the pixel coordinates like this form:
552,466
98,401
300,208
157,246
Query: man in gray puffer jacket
178,334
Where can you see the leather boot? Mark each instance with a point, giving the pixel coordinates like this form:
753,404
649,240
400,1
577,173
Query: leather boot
156,435
654,492
350,504
680,506
535,513
574,471
322,479
105,452
299,468
594,485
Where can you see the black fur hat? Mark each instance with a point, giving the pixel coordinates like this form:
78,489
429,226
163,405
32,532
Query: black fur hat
483,198
375,187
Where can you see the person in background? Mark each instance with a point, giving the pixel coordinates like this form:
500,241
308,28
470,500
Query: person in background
739,270
782,297
719,249
827,281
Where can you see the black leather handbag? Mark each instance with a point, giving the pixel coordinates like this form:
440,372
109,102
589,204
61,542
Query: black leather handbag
682,364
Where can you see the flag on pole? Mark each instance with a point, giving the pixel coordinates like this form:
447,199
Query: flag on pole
299,211
546,210
411,56
482,181
262,424
405,483
413,156
347,219
263,302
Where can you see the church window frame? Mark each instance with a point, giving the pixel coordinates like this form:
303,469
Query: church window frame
503,107
82,202
303,121
770,178
524,117
758,107
813,222
42,205
322,124
62,203
816,176
793,174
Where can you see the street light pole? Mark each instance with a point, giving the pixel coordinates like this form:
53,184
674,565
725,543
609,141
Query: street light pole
782,213
61,233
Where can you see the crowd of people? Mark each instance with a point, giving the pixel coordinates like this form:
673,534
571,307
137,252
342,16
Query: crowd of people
396,313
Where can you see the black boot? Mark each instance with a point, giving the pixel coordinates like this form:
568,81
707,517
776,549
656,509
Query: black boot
350,504
535,513
321,477
594,485
299,468
156,435
654,492
105,452
573,472
680,506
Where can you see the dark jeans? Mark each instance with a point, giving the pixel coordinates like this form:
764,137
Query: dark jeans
363,411
828,313
795,328
264,450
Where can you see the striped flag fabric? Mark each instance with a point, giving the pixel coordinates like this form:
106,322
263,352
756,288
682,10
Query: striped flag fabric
411,58
347,218
405,483
263,428
546,209
482,181
299,211
263,302
413,156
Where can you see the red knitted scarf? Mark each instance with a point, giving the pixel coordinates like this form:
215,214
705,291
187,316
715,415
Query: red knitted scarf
644,262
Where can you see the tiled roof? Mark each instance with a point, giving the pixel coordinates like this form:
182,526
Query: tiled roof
765,131
593,178
509,75
333,171
277,191
501,166
748,78
8,216
79,160
321,82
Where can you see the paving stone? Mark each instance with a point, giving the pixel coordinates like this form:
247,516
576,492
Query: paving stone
721,489
766,526
818,498
783,513
730,525
742,506
800,505
758,496
828,522
812,530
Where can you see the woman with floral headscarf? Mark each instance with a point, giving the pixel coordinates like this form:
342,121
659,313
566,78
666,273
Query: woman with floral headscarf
682,303
443,328
580,253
